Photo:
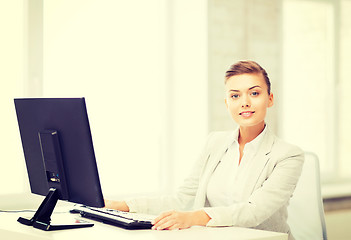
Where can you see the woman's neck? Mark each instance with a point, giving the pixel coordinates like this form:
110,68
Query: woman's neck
247,134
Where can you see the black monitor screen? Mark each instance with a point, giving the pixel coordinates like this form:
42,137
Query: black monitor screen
58,148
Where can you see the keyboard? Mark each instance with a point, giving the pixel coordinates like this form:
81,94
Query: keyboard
117,218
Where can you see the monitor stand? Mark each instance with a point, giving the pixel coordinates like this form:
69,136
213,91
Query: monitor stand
42,217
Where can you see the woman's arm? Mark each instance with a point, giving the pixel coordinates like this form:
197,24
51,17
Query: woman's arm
168,220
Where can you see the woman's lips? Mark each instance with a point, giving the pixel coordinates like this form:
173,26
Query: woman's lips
247,113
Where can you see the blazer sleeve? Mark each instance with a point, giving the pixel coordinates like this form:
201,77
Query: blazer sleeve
272,191
183,199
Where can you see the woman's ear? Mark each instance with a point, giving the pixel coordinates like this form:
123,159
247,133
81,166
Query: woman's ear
270,100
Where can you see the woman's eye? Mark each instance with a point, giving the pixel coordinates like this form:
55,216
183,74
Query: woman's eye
235,96
255,93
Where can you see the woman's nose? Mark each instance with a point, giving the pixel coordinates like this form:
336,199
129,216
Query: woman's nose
246,105
246,102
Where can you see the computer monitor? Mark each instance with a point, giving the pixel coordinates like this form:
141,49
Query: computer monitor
59,156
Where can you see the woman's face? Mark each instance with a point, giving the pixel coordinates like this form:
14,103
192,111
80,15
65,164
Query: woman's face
247,99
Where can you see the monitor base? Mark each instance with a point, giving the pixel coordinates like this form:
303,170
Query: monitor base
42,217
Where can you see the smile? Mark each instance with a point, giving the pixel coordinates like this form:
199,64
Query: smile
247,114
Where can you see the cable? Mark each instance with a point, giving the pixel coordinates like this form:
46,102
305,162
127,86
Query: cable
25,210
16,211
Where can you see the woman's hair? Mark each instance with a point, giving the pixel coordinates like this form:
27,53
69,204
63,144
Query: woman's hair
251,67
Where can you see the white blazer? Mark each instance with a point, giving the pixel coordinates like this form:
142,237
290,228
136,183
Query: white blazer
266,194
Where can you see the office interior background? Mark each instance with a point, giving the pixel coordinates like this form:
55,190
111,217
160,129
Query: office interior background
152,75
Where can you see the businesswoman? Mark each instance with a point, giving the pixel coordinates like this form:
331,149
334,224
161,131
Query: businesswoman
244,177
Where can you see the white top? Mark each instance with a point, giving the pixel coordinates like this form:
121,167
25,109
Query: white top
222,188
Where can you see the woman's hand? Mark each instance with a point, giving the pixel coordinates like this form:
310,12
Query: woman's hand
117,205
180,220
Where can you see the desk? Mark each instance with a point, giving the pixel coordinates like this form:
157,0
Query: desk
11,229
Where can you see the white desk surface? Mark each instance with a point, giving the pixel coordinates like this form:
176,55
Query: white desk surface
11,229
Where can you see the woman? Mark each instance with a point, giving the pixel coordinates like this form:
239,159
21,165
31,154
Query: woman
243,178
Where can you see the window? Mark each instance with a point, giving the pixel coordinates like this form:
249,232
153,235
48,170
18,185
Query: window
101,51
316,50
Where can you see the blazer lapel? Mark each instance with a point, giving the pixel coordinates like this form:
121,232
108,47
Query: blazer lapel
260,160
214,159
